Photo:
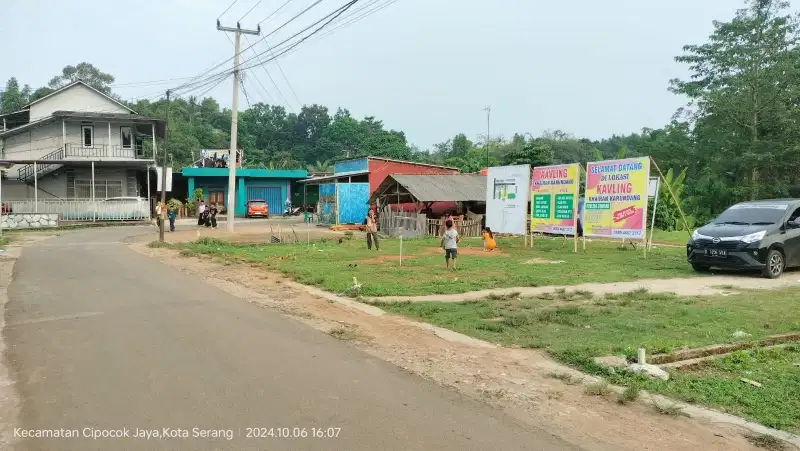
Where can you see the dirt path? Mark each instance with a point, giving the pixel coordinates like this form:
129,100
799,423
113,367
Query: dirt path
516,380
697,286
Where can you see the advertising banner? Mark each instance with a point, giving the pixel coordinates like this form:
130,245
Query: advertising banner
507,198
554,193
616,198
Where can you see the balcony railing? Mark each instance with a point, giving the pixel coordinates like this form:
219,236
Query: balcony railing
106,151
119,209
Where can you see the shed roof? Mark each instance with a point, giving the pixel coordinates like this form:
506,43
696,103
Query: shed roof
432,188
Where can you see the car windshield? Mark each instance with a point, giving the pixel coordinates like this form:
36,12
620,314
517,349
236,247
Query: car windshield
257,203
752,214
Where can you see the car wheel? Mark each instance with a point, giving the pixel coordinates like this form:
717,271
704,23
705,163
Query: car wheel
700,268
775,265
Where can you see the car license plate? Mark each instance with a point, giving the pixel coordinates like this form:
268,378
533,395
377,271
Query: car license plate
721,253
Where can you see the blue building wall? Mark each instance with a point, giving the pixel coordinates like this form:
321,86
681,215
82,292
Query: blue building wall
270,185
326,214
353,199
351,166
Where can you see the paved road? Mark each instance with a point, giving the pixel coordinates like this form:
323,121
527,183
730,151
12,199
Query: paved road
104,338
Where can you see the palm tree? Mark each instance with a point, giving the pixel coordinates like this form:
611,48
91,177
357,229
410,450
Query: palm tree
321,166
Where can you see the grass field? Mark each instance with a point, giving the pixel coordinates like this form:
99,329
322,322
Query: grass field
332,265
661,236
576,326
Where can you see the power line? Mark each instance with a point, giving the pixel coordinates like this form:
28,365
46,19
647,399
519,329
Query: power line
338,12
250,10
271,79
346,23
274,12
268,35
244,90
227,9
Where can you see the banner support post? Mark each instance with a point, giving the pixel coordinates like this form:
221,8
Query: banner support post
655,209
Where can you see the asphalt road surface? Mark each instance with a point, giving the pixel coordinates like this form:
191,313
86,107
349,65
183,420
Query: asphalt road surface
102,340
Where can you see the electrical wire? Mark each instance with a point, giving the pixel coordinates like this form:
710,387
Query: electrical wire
274,12
335,14
227,9
346,23
250,10
273,82
216,66
244,91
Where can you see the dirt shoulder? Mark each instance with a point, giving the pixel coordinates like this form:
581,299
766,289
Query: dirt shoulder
517,380
696,286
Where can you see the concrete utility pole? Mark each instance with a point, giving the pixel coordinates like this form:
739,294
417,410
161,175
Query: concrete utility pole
488,110
231,205
163,201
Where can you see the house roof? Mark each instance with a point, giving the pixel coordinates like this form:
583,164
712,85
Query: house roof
392,160
75,83
80,115
331,178
432,188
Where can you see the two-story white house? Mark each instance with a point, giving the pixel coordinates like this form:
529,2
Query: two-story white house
77,144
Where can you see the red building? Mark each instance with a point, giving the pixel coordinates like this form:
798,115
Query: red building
344,195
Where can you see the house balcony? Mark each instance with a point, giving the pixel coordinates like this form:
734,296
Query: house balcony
104,151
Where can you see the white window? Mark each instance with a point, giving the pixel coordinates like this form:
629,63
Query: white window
87,133
126,136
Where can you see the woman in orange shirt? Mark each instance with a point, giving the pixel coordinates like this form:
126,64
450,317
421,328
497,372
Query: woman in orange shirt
489,243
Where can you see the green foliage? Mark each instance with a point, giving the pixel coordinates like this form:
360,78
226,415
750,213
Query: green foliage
668,216
198,195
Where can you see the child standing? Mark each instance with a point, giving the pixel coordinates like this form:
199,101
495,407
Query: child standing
172,213
489,244
450,241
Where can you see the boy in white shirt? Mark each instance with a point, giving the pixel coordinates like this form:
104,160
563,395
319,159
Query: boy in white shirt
450,241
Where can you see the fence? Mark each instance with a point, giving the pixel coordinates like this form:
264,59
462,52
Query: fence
86,209
411,224
394,223
465,227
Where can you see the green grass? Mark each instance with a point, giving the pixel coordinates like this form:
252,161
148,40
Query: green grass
576,331
4,240
332,265
661,236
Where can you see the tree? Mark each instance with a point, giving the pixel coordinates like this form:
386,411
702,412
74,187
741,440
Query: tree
740,86
532,153
86,72
12,98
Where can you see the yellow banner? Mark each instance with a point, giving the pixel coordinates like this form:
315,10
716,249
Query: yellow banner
554,197
616,198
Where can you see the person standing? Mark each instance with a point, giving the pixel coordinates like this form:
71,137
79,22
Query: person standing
201,209
372,231
172,213
449,242
212,216
159,211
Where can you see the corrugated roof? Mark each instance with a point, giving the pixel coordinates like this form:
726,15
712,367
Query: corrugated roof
441,187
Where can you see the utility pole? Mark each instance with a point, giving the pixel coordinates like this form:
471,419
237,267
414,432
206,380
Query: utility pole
488,110
232,158
163,201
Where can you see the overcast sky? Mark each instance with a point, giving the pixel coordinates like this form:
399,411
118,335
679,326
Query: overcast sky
427,67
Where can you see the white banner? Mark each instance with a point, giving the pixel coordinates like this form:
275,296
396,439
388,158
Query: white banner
507,192
158,178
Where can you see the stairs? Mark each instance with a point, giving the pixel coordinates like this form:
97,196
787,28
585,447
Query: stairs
27,174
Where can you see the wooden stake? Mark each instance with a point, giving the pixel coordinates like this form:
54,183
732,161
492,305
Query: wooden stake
674,198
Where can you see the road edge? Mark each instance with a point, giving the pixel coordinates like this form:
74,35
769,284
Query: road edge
9,396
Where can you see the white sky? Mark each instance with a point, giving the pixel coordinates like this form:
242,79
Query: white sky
426,67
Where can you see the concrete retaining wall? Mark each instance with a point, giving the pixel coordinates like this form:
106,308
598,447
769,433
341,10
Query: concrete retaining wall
28,220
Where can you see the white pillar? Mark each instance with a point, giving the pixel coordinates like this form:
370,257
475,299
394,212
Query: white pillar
94,209
154,144
108,144
64,135
148,184
35,188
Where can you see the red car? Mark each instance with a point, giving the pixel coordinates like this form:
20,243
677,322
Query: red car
257,208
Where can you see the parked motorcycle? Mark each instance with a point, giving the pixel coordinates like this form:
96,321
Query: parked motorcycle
294,211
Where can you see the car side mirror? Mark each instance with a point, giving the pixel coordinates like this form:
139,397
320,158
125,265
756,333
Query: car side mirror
793,224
